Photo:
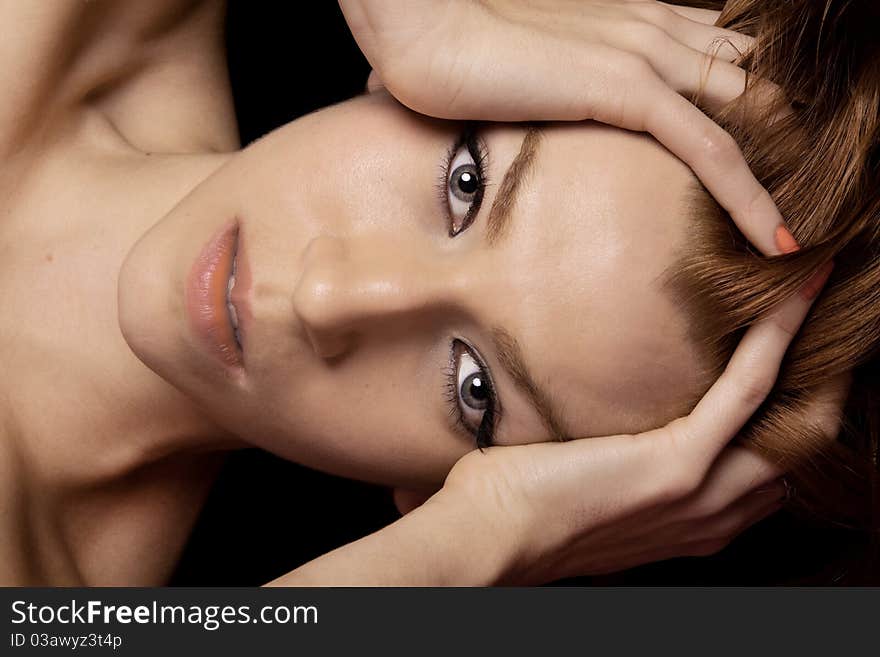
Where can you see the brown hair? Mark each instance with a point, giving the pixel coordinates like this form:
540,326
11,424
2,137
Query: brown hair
821,164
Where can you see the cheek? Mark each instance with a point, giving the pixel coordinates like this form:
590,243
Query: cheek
380,415
354,167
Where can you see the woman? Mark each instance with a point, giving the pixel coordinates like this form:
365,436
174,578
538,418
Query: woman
374,285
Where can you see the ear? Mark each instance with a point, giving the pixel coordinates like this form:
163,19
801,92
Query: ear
374,83
406,500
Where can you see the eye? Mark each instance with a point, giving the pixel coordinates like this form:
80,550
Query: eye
465,182
472,394
474,390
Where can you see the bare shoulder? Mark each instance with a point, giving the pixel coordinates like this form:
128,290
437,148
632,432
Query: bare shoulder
58,56
39,45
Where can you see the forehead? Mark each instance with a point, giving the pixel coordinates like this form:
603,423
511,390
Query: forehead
596,227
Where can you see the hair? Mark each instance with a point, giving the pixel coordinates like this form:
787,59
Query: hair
821,165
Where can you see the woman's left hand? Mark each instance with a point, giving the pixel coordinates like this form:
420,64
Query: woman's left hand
630,64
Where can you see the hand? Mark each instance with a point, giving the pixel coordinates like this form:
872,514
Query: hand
625,63
597,505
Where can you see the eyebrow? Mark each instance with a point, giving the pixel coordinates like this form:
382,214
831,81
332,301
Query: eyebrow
511,357
501,213
497,226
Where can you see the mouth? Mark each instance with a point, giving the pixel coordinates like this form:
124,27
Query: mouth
230,304
213,315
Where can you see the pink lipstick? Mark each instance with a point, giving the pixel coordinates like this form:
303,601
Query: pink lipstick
207,297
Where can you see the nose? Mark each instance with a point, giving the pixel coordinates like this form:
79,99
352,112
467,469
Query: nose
352,286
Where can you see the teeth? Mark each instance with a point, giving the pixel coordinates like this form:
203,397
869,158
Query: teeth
229,306
233,316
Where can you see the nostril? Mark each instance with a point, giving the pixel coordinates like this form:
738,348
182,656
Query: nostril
310,305
328,346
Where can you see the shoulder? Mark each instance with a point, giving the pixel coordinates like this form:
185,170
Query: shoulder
37,51
121,57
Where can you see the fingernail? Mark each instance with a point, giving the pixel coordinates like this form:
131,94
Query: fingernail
813,286
785,241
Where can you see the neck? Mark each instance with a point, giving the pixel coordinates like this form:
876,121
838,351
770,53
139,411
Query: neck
77,385
113,450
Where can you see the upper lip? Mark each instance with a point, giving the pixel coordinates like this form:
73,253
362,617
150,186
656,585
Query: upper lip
207,301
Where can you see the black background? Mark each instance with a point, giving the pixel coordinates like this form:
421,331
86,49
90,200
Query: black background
266,516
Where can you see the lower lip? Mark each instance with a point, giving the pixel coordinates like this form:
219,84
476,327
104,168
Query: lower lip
206,297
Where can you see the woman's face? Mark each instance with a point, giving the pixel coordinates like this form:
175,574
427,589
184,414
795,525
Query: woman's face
407,289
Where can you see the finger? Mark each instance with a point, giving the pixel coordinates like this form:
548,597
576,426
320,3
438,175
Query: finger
703,539
717,161
705,16
681,59
715,41
750,375
752,508
620,89
735,474
690,72
705,38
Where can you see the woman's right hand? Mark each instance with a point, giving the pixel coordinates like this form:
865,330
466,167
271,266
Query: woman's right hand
598,505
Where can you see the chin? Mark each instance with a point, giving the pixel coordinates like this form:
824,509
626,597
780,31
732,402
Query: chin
150,316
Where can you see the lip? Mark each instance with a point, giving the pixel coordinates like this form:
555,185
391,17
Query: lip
206,296
241,293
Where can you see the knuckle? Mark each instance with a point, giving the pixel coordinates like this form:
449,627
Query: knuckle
718,146
635,66
645,37
785,324
681,475
753,396
653,12
760,198
756,388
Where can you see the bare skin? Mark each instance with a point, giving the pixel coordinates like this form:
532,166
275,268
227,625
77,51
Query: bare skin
86,171
104,464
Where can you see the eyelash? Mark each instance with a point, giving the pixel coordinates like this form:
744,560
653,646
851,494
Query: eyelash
485,434
478,151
